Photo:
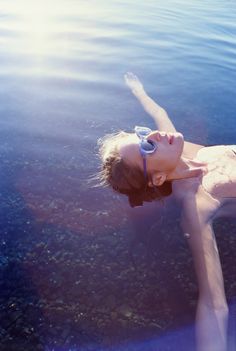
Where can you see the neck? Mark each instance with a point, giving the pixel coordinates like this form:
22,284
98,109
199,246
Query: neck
187,168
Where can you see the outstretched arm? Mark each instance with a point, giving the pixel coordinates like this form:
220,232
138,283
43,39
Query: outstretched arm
159,115
212,309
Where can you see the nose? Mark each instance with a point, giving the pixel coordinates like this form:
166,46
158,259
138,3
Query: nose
155,135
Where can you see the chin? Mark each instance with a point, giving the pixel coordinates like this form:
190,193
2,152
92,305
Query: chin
180,135
181,142
178,139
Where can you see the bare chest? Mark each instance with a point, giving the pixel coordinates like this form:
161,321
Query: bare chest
220,180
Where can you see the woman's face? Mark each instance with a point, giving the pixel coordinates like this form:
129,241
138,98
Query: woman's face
169,148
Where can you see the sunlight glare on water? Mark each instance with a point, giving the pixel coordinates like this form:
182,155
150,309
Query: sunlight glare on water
39,31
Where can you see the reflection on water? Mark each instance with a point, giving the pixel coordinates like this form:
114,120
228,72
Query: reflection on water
79,268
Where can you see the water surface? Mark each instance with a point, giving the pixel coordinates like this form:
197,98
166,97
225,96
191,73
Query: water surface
68,278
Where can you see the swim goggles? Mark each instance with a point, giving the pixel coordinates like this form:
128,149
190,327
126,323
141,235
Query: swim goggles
146,146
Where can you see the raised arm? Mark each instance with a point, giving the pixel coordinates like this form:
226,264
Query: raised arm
212,309
159,115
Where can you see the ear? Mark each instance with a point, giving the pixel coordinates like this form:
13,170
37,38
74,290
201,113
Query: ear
158,179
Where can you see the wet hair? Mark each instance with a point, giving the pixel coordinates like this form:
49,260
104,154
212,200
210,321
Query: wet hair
122,177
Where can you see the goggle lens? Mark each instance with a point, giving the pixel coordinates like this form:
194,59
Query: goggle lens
147,145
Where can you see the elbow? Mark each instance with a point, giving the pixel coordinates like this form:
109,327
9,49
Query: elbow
223,309
215,305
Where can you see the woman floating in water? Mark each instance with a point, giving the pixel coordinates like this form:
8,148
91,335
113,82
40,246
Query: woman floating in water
150,164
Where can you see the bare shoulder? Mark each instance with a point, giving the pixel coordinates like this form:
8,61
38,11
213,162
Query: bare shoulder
191,149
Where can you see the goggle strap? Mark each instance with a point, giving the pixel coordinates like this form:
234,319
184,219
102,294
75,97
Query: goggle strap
144,168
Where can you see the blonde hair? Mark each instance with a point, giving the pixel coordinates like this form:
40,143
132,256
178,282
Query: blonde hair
124,178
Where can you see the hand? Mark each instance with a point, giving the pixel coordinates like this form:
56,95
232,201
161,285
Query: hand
133,83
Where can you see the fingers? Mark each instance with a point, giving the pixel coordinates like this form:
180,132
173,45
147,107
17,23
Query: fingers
133,83
130,76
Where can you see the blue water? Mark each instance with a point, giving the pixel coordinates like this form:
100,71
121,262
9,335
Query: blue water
61,68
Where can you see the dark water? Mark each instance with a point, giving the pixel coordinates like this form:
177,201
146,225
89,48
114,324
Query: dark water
74,270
